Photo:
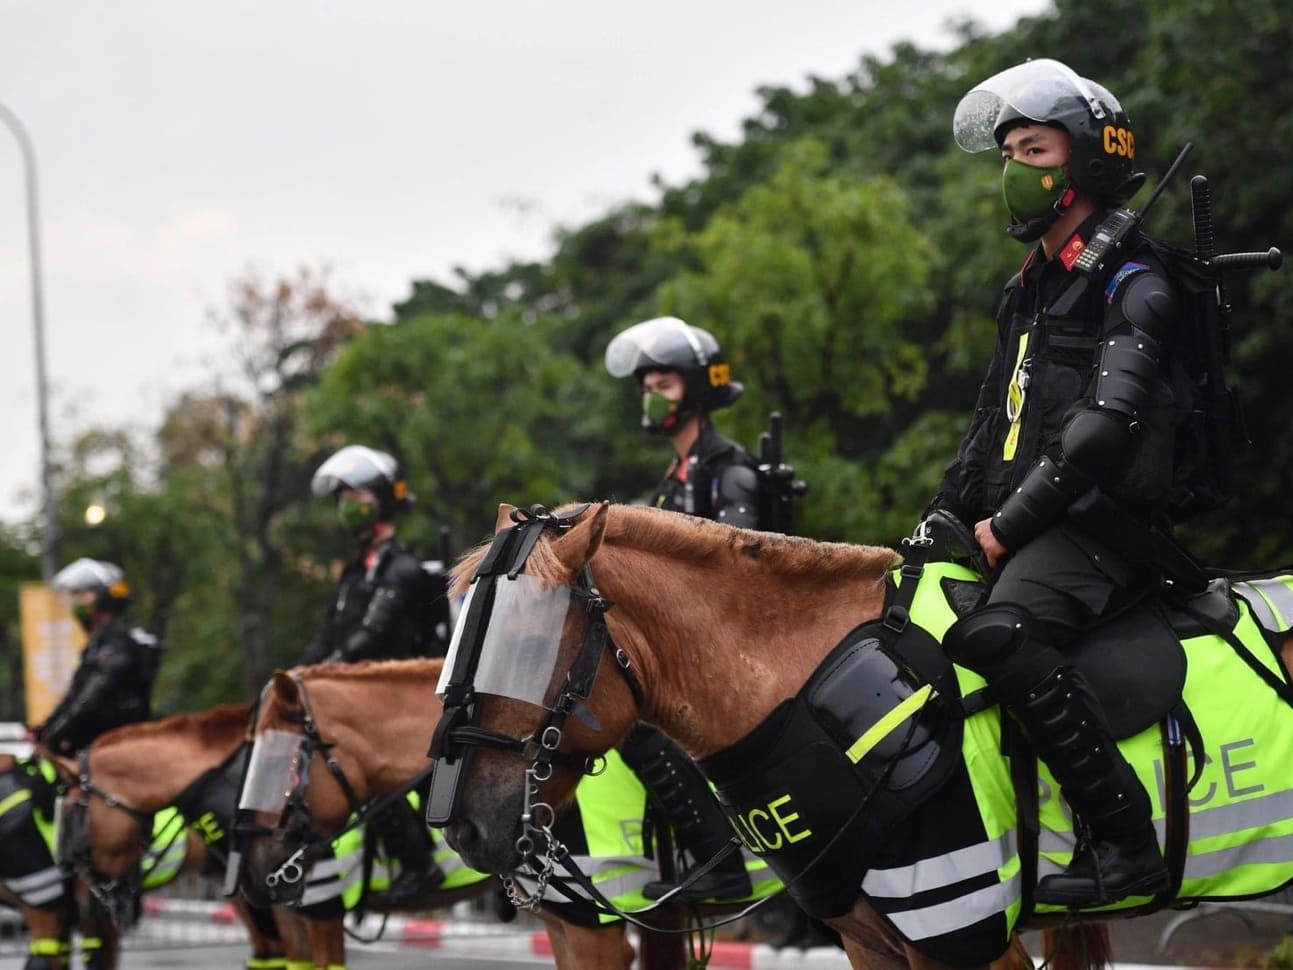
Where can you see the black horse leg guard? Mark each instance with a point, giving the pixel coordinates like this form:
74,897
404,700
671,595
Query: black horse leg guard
407,839
1118,855
683,796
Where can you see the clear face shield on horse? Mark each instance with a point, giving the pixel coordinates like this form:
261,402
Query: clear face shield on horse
509,644
270,801
511,652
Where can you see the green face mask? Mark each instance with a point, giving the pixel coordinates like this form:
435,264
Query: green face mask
657,412
84,614
355,514
1031,191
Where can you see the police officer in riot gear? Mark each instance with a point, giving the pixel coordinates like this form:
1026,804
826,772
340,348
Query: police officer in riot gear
386,608
114,681
1075,421
683,376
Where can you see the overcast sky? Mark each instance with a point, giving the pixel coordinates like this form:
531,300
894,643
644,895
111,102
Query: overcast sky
180,143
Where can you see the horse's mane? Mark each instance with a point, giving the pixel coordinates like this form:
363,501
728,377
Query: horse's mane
374,669
210,726
690,539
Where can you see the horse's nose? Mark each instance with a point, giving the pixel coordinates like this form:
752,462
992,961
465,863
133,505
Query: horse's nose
462,836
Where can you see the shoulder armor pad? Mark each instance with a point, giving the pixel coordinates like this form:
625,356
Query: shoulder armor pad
401,566
1147,301
738,483
1127,269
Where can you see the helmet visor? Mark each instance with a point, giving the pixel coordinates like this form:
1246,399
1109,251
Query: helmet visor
353,467
665,342
86,574
521,641
1041,90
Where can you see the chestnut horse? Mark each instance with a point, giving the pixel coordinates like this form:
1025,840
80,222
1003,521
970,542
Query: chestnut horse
138,771
30,880
768,610
375,718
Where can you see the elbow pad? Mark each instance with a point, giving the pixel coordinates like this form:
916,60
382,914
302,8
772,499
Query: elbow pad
1097,444
1141,317
381,617
383,611
738,497
1128,369
1042,498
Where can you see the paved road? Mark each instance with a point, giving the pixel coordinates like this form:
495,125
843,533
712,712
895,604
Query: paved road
231,956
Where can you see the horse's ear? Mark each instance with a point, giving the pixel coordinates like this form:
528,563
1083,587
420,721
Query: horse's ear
285,688
580,544
504,520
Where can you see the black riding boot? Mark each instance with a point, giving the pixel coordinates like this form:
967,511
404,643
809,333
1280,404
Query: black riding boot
406,838
1117,854
678,788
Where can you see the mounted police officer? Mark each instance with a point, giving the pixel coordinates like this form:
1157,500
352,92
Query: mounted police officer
114,681
683,376
1075,428
386,608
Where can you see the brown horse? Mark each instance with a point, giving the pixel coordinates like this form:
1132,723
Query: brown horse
379,754
32,883
143,769
773,608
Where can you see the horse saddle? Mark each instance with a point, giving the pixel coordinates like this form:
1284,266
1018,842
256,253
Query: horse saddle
1133,661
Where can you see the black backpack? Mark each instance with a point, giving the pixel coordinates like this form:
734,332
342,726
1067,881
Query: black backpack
1214,432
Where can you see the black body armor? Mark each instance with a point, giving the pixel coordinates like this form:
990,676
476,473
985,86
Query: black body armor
1084,393
387,607
718,481
111,687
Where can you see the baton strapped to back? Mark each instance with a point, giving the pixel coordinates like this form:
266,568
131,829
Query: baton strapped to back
778,486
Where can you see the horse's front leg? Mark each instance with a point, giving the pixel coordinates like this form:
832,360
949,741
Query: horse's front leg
48,932
868,942
100,938
583,948
293,934
327,942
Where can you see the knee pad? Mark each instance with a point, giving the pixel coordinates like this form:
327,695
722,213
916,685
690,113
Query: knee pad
987,637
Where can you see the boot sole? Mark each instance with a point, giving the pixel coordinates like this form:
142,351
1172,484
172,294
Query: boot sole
1148,886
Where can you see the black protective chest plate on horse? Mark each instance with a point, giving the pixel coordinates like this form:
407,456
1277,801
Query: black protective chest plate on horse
795,797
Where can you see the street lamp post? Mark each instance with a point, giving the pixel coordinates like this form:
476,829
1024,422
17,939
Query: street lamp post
49,535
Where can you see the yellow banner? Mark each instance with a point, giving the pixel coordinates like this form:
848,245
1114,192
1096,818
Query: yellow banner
52,642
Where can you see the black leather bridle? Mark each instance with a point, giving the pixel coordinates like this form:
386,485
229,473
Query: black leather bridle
286,883
117,894
458,734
